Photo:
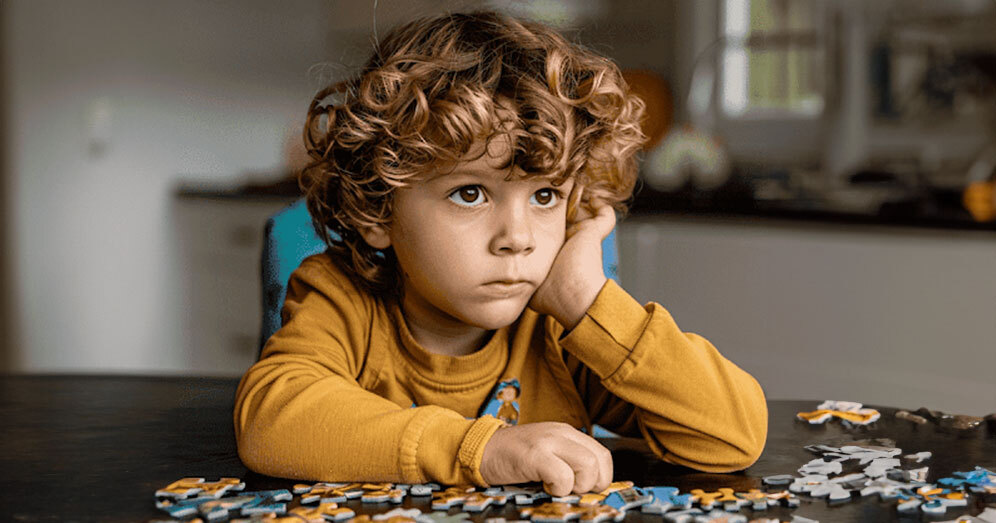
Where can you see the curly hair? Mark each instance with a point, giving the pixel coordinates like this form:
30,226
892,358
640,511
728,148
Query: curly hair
435,86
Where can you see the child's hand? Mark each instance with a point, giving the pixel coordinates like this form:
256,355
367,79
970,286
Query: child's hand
577,274
565,459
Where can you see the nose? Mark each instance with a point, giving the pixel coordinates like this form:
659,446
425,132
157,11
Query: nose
513,233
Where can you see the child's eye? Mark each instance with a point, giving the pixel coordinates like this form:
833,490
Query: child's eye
545,197
467,196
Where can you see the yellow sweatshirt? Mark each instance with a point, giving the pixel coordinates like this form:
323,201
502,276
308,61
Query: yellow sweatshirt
343,392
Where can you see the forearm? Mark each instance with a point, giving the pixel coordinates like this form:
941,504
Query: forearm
695,407
294,422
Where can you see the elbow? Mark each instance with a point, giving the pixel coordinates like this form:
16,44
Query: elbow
748,443
720,457
730,447
250,453
747,452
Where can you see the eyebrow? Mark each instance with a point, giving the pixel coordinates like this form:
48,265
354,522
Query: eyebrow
483,174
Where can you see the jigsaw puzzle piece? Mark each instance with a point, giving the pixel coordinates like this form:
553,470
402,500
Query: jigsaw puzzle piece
339,492
911,475
600,513
399,515
425,489
665,499
451,497
780,479
181,508
181,488
479,501
756,499
443,517
885,488
819,466
819,486
216,509
322,512
628,498
815,417
784,497
530,496
267,501
594,499
683,516
720,516
552,512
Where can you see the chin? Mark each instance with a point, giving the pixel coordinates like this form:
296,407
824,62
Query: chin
496,316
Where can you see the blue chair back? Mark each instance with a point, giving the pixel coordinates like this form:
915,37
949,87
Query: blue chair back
290,237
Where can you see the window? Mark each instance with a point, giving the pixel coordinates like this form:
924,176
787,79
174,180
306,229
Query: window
774,58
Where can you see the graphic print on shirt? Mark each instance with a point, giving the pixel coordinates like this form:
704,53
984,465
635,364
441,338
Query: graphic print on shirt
503,402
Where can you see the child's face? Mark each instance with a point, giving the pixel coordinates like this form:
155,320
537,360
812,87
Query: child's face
474,247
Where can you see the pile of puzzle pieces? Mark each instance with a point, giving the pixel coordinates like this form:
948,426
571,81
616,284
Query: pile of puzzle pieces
883,473
194,497
849,412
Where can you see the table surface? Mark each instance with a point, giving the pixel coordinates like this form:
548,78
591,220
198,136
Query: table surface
94,448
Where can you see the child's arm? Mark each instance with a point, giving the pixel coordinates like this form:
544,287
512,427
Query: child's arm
301,413
693,406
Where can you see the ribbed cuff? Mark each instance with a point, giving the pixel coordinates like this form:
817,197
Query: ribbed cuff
472,449
410,442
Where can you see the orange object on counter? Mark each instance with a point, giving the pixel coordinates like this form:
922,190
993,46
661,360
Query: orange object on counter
979,199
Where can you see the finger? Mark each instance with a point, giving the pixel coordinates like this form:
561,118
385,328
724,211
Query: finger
604,469
599,224
602,455
605,220
557,476
583,462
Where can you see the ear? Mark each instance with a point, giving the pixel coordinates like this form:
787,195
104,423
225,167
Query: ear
376,236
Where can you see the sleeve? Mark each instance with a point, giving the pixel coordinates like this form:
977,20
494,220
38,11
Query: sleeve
300,412
638,373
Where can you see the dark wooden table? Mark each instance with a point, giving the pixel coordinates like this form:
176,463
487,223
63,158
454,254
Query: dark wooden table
97,448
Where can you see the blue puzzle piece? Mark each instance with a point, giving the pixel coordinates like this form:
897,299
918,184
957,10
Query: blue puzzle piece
625,499
182,508
665,499
267,501
980,477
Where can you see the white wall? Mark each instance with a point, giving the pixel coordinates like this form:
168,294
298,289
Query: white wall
189,90
890,316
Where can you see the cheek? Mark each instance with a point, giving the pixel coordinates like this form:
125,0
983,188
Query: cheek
432,254
551,240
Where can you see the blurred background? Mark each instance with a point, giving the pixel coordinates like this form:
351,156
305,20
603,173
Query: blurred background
817,198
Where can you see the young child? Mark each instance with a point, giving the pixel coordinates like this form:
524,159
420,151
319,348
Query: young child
469,175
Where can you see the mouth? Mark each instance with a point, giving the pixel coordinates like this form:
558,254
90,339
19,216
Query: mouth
507,287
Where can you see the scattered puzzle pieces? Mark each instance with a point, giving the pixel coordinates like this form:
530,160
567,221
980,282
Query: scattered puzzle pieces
194,497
